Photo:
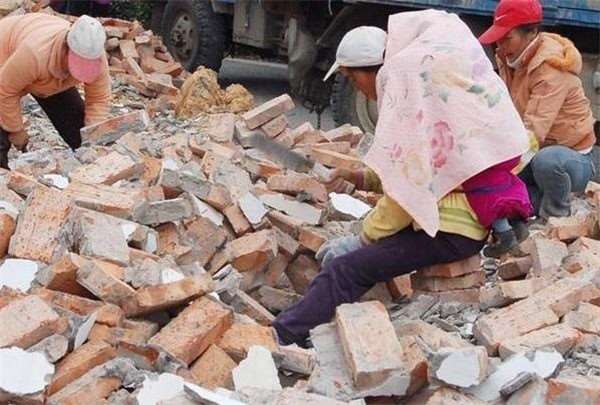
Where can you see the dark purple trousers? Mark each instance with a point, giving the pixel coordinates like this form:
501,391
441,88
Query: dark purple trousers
346,278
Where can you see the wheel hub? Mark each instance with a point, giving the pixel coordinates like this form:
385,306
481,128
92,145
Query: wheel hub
183,36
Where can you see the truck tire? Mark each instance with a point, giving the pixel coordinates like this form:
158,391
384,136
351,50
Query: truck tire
194,33
350,106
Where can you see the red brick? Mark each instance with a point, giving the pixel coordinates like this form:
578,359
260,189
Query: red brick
213,369
107,170
7,229
79,362
285,223
378,352
312,238
127,48
246,305
267,111
400,287
560,337
275,126
118,335
164,296
238,221
434,284
106,199
296,183
573,389
515,268
547,256
586,318
198,326
103,284
241,336
569,228
454,269
27,320
513,321
301,273
41,232
337,160
21,183
346,133
252,251
107,314
110,130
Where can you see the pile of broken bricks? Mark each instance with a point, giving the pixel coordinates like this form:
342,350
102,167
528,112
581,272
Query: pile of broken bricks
147,267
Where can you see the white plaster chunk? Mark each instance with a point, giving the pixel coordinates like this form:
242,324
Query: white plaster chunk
254,210
258,370
163,387
56,180
206,211
24,373
170,276
83,332
349,205
542,362
18,273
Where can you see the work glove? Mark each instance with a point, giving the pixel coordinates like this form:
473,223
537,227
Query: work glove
338,247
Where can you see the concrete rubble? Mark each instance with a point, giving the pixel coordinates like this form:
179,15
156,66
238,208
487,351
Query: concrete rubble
147,267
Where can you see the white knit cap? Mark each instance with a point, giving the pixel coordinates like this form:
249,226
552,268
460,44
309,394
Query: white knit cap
86,38
361,47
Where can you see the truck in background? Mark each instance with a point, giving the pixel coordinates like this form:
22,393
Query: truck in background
305,34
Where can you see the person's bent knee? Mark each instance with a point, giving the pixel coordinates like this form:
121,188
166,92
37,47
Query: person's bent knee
549,159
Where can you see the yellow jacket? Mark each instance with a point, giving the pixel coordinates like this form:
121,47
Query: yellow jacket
388,218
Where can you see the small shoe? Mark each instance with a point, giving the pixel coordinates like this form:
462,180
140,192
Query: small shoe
504,242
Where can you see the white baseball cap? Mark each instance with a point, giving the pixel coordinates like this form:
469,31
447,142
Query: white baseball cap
361,47
86,40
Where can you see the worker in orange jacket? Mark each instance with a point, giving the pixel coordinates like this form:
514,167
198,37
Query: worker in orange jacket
48,57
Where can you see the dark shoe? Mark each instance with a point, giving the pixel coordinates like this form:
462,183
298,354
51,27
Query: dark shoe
503,243
520,229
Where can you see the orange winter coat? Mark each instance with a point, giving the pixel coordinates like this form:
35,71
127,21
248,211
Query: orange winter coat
549,95
33,59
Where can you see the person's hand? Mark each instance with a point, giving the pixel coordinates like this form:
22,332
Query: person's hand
337,179
338,247
19,139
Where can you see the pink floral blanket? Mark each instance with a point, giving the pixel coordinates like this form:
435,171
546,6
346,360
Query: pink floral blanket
444,114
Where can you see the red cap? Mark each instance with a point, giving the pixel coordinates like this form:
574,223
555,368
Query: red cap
511,14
